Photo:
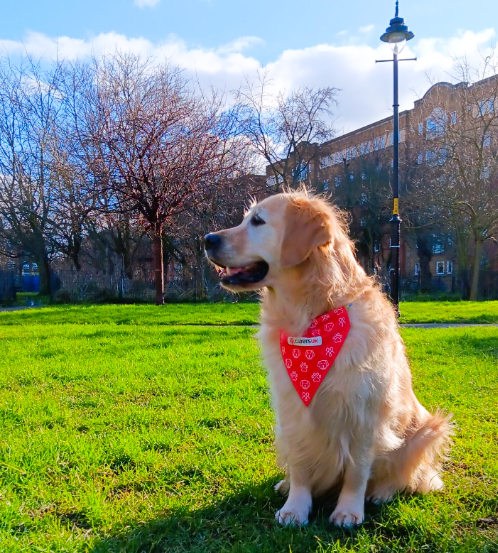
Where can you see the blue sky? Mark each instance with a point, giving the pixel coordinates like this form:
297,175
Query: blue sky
306,42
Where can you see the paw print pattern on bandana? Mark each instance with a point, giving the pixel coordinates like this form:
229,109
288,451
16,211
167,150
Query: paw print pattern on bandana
313,359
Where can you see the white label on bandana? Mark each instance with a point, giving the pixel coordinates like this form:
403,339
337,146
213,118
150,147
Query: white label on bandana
301,341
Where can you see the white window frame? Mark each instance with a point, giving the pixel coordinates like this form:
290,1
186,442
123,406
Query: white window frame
449,267
439,264
416,269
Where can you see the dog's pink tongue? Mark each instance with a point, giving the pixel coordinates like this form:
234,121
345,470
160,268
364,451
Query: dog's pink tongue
230,271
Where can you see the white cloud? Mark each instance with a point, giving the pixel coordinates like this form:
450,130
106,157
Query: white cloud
148,3
366,87
366,29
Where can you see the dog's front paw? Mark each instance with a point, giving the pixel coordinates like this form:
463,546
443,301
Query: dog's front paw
382,494
348,514
294,515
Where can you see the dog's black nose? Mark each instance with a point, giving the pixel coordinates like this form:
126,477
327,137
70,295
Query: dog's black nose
211,241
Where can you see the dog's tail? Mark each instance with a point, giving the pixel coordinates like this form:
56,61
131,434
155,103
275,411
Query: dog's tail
418,462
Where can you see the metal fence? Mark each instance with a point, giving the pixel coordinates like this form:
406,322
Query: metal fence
202,285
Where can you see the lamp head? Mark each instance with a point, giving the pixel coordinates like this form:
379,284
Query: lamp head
397,33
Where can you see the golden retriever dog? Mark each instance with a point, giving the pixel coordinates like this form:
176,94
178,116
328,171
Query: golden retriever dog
364,430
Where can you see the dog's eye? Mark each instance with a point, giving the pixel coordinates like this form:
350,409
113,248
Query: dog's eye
256,220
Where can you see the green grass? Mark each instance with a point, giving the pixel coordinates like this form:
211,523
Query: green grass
144,437
229,314
449,312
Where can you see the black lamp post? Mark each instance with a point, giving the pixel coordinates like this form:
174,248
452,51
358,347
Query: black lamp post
396,35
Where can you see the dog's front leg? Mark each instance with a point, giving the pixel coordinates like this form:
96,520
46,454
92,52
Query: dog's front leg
351,504
298,505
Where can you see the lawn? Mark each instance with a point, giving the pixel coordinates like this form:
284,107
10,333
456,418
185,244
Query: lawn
229,314
140,437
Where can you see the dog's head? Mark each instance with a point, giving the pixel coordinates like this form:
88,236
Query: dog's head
276,235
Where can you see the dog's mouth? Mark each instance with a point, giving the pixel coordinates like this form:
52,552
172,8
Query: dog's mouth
242,276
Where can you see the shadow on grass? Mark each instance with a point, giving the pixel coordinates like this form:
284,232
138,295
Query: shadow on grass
244,523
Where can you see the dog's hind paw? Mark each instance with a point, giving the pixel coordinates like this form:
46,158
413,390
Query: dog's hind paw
282,487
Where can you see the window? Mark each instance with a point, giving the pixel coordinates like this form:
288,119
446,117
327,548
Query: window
337,159
420,128
325,162
491,105
486,172
326,185
443,154
449,267
337,181
11,265
362,149
436,124
35,266
383,142
300,172
367,147
420,159
487,141
453,117
376,144
353,152
270,181
348,154
440,267
430,157
25,267
416,269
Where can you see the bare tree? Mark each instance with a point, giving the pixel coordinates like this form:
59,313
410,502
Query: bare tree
457,159
164,145
29,102
283,129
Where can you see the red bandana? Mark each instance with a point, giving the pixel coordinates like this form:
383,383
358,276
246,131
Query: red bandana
308,358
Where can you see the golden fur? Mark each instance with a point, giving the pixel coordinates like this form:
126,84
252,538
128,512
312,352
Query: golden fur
364,430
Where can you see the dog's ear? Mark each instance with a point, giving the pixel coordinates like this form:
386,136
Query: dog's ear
305,229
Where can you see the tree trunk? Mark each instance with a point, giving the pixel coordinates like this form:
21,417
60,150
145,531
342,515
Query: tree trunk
474,288
45,277
158,264
424,257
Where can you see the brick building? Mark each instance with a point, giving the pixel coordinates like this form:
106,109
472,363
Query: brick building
355,169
